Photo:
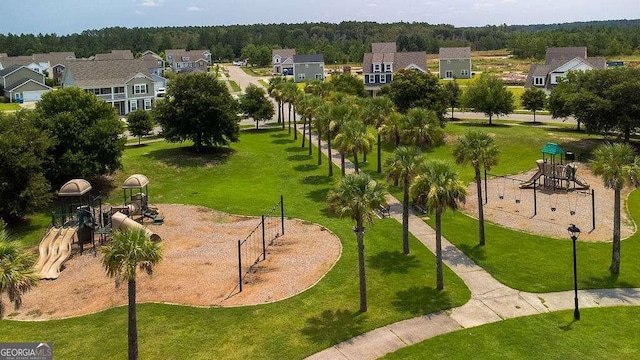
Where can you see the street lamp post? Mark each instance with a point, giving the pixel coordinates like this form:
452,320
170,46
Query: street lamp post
574,232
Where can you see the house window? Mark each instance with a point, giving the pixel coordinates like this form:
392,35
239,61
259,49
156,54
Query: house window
464,72
118,90
301,76
277,60
383,79
371,79
186,58
448,74
59,69
133,105
538,81
169,57
147,104
140,88
376,67
387,67
318,76
448,61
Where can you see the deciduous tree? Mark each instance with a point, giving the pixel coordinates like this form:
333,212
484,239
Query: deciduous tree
489,95
534,99
140,123
254,104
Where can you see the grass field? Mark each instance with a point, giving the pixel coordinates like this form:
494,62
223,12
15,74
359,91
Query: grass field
248,178
9,106
609,333
234,86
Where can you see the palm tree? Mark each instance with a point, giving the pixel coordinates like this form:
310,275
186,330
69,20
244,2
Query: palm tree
392,128
356,196
354,138
438,188
378,109
16,270
274,90
480,150
619,166
422,128
403,167
289,93
312,104
131,249
339,112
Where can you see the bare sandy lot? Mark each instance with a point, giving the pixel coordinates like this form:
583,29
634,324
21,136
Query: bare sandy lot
200,268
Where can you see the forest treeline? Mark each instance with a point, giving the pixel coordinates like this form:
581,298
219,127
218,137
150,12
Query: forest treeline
343,42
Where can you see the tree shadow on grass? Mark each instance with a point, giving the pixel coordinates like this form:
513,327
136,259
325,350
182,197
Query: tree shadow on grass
485,125
282,141
420,300
604,282
280,135
188,156
393,262
300,157
296,149
474,252
331,327
318,195
317,180
305,167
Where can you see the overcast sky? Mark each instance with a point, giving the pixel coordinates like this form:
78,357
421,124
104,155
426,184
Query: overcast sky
71,16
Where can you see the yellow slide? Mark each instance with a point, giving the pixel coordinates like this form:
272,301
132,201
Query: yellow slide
59,251
44,249
120,221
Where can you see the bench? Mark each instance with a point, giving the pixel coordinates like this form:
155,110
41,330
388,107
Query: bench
384,210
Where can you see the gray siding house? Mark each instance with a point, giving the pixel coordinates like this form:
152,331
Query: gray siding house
379,65
308,67
282,61
21,83
558,62
181,60
126,84
455,63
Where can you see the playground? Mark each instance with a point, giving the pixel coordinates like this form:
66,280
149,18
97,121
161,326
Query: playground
199,267
509,205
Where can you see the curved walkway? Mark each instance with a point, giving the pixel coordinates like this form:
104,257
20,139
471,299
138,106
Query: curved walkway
491,301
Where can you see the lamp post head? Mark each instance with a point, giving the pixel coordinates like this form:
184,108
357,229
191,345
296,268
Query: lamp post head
574,232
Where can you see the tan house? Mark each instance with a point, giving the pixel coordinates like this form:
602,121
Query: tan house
558,62
126,84
22,84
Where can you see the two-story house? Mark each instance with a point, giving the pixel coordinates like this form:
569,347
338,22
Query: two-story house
379,65
22,84
155,63
282,61
51,64
126,84
558,62
308,67
180,60
455,63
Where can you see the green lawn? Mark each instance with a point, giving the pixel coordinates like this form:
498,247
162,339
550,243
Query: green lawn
9,106
234,86
608,333
248,179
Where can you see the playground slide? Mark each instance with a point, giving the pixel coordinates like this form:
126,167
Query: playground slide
120,221
60,251
535,176
45,248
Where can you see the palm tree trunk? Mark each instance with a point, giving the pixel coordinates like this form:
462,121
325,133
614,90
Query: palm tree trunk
329,153
480,207
361,268
342,163
439,279
289,118
310,144
405,216
320,152
355,161
133,326
280,109
295,127
615,253
304,129
364,156
379,155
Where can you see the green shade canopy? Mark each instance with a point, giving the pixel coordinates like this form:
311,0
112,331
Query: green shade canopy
552,149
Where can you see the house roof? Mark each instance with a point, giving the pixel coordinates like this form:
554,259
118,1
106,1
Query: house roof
284,53
115,55
55,58
404,60
179,54
151,54
455,53
308,58
8,70
105,72
383,57
534,71
23,81
16,60
387,47
597,62
565,53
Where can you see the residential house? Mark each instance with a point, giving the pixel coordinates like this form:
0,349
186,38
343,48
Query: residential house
155,63
126,84
379,65
180,60
114,55
25,60
455,63
558,62
22,84
57,61
282,60
308,67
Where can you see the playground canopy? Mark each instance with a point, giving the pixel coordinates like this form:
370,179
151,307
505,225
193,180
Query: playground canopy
135,181
75,187
552,149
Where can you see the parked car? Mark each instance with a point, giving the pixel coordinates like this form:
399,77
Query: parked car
286,72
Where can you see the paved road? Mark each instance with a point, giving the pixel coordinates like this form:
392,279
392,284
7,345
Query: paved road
513,117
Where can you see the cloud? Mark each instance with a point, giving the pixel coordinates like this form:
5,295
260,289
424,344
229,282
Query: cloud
194,8
138,12
151,3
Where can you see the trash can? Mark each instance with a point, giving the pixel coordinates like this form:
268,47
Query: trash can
569,156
